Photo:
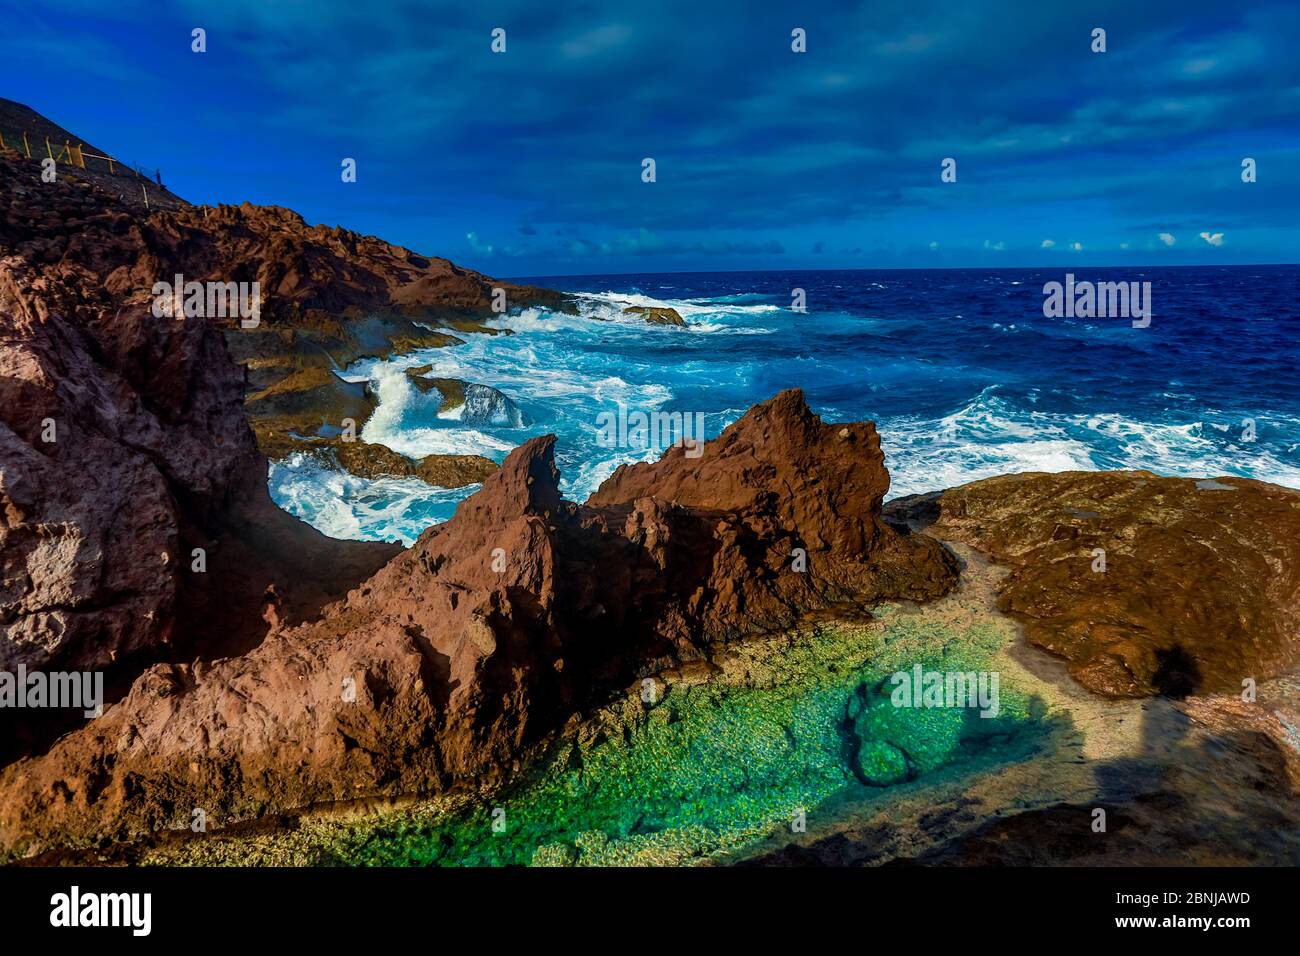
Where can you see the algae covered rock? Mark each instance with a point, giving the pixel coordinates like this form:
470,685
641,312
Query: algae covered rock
555,854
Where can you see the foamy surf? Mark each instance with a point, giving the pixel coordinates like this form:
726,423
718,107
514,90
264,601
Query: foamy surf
924,374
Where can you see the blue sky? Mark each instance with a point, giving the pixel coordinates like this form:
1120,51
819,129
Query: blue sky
529,162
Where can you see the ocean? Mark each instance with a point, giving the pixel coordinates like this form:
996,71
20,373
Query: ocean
960,369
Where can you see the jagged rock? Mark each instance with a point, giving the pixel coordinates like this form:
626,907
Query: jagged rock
329,296
488,633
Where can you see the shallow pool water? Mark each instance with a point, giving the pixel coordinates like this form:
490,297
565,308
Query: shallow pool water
775,740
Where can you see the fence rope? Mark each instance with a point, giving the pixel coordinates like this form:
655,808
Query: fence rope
77,155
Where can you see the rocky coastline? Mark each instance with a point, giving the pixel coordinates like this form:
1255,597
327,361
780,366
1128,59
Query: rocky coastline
295,673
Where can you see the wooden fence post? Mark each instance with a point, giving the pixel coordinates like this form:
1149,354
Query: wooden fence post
26,148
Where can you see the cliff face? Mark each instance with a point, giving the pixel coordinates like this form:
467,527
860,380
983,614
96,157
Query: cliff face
125,439
490,632
125,448
328,296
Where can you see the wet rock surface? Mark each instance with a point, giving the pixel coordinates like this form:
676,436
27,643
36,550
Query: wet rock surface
656,314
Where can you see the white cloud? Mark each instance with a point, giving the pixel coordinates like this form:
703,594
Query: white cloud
1214,239
995,246
1167,238
1048,243
597,42
1076,247
1123,245
934,245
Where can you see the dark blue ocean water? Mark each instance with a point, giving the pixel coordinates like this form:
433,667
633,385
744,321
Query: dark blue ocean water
964,375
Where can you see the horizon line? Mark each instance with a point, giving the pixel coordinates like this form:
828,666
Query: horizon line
612,275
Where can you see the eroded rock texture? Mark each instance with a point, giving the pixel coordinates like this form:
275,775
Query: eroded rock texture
1201,587
491,631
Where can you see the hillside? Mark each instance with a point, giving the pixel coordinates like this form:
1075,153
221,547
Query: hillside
119,178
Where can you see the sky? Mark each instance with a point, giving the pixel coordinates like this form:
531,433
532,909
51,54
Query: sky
529,162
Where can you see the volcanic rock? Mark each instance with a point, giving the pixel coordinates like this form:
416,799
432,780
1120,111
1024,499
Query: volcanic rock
471,402
1201,583
487,634
656,314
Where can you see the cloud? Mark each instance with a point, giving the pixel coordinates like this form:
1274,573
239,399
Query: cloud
1076,247
1048,243
597,42
1214,239
483,249
753,141
934,245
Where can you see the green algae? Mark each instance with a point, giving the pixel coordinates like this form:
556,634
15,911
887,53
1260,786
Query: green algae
787,729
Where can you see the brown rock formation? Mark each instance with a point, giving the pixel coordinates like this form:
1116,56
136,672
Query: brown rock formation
328,296
452,390
1201,587
656,314
490,632
123,439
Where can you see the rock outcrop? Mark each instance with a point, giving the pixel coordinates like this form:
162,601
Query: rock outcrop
468,402
328,296
1201,583
135,524
656,314
490,632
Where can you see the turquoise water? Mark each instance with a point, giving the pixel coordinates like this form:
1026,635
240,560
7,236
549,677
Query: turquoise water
715,768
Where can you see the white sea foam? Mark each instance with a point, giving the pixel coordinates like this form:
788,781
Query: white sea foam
562,370
988,437
342,505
